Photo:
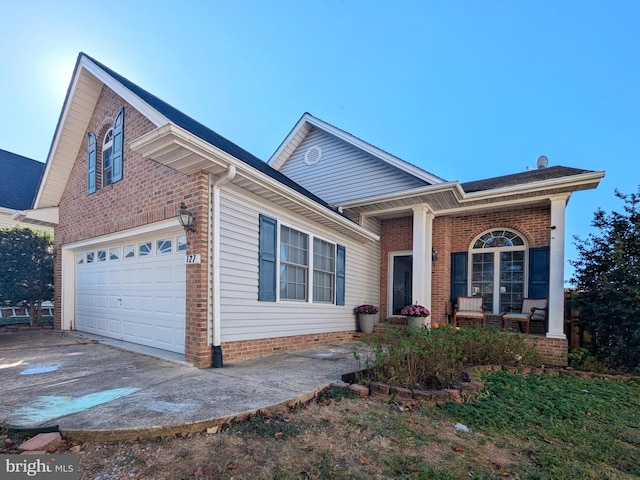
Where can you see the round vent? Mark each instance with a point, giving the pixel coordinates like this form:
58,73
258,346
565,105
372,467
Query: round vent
312,156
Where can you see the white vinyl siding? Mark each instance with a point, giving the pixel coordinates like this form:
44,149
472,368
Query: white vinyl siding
243,317
345,173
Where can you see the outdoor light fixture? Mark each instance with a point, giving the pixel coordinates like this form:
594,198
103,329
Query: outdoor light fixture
186,218
434,254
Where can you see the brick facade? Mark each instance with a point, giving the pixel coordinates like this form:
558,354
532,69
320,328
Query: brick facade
148,193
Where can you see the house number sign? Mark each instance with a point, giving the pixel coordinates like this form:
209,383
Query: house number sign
192,259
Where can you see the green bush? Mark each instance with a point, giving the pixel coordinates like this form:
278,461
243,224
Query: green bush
435,358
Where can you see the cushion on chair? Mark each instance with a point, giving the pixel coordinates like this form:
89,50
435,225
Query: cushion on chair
470,305
469,314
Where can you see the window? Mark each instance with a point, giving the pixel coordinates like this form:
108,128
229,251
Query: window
79,258
294,263
182,243
114,253
111,158
90,257
102,255
144,249
129,251
107,158
164,246
288,275
498,269
324,269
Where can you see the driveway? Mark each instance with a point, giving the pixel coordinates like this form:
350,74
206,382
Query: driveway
95,391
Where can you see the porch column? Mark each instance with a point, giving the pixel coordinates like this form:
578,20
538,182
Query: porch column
556,268
422,245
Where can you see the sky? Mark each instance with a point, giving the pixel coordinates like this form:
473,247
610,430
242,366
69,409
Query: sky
464,89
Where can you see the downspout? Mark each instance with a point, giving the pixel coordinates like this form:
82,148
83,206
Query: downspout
217,348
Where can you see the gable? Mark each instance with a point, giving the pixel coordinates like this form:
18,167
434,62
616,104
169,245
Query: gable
343,172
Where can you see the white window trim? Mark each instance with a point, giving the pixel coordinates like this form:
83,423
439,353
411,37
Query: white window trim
496,261
310,237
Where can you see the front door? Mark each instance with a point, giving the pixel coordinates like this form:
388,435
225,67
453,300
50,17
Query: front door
401,281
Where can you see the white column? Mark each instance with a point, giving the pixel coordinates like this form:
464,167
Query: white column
556,268
422,245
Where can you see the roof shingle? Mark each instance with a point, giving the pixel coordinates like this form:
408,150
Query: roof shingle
19,180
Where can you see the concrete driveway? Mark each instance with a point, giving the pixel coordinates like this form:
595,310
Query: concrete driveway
95,391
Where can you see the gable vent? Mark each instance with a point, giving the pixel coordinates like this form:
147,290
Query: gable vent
312,156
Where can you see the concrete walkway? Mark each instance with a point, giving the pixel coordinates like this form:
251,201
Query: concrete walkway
96,391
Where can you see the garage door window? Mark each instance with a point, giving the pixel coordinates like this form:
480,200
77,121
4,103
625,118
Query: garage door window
80,258
102,255
164,246
90,257
129,251
114,253
144,249
182,243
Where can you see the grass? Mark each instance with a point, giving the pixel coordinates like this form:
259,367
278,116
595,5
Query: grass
521,427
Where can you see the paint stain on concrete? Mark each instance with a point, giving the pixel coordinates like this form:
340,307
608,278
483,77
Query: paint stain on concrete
40,369
48,407
73,354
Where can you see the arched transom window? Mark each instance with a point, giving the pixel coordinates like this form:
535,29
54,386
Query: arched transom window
498,269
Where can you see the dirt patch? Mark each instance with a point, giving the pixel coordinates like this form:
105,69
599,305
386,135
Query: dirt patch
337,436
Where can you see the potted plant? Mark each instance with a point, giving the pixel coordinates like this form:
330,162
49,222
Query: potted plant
416,315
366,317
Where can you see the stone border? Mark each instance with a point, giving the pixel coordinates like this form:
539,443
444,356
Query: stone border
461,392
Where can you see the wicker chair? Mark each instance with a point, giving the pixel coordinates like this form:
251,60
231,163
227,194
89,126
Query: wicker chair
471,308
533,309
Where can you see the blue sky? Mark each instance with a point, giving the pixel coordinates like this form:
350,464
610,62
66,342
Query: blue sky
465,89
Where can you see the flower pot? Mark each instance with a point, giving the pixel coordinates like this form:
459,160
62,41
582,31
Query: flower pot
415,321
366,320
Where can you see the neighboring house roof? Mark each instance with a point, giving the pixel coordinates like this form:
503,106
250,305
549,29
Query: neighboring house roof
538,175
300,130
19,180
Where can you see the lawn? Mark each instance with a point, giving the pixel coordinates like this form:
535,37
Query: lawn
521,426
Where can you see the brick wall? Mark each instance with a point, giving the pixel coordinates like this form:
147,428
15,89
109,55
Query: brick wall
246,349
148,193
553,351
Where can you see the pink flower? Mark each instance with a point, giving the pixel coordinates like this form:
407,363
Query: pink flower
368,309
415,311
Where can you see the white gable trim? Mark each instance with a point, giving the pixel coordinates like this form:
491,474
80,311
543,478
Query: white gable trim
285,149
84,89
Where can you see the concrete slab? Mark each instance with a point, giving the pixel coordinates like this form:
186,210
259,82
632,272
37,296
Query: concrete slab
95,391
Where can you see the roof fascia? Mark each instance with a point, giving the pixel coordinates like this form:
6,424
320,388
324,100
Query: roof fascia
356,142
220,157
47,217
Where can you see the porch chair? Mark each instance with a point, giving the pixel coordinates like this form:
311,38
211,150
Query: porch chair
533,309
471,308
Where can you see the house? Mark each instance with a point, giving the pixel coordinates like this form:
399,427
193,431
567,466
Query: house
281,251
18,186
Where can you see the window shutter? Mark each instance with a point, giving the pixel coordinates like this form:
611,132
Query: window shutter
268,234
340,274
459,274
118,142
91,163
539,262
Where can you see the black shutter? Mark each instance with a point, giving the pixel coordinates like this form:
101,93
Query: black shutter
539,261
459,269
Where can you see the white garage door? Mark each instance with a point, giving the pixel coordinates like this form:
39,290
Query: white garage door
134,291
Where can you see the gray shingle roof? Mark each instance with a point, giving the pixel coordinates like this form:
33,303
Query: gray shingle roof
522,178
19,179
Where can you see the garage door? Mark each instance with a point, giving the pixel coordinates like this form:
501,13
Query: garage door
134,291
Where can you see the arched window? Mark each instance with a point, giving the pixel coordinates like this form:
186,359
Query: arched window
107,158
498,261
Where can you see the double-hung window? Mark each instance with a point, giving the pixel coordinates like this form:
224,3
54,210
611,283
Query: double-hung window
294,264
305,268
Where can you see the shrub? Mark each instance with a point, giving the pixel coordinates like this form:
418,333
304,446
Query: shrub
435,358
